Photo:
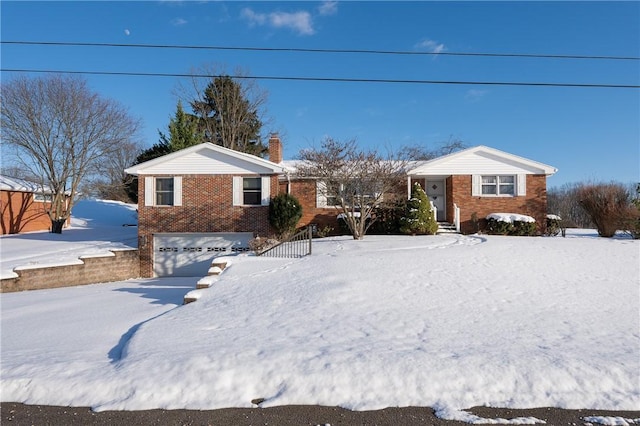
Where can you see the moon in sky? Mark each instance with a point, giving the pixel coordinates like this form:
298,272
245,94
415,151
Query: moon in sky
127,32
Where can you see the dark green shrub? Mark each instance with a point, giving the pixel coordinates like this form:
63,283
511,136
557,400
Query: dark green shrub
418,218
526,229
498,227
388,219
284,213
515,227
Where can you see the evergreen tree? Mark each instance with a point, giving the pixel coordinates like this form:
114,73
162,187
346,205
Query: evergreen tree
183,131
227,117
285,212
419,216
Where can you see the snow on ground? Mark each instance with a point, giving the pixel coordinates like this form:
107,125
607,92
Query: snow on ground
96,227
446,321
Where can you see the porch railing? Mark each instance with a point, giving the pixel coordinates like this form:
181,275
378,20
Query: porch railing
456,217
434,210
299,245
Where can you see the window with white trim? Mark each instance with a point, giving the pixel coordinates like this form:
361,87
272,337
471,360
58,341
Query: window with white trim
355,191
163,191
498,185
252,191
42,198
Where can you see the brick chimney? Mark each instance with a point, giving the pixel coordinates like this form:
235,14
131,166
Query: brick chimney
275,148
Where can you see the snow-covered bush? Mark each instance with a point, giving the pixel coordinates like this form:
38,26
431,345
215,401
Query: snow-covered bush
418,218
553,225
511,224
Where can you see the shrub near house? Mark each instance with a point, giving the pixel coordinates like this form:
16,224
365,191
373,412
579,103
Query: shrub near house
419,217
207,200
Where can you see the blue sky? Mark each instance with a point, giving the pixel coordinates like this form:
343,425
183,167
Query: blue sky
587,133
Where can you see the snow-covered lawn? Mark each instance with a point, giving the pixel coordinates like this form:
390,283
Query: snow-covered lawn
96,227
448,321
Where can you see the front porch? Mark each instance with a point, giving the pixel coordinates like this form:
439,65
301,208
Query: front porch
439,190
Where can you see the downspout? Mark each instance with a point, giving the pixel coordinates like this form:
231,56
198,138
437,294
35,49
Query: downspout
286,174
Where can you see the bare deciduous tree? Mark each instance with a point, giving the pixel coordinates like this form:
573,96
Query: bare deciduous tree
423,153
355,181
565,202
61,131
229,109
109,181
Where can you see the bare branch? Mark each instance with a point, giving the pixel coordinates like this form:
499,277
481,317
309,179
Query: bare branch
355,181
61,131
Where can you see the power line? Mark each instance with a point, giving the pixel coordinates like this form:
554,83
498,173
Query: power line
334,79
309,50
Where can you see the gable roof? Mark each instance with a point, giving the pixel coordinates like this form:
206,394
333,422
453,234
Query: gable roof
206,158
481,159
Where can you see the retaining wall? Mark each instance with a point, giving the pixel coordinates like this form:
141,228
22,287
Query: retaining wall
121,264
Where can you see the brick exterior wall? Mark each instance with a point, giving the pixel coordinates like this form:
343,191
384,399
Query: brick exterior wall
123,265
207,206
533,204
21,214
305,192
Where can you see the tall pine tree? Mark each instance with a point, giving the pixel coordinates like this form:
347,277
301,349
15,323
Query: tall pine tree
227,117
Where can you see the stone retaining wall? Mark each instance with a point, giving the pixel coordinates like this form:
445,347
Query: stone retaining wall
119,265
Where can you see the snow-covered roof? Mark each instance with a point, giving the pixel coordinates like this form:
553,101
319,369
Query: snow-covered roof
481,159
292,166
206,158
21,185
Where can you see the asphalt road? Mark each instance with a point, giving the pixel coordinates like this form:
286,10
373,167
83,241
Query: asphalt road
42,415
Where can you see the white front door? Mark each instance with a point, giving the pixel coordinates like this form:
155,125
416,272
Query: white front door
435,192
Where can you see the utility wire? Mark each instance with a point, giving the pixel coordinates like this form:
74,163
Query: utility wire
308,50
332,79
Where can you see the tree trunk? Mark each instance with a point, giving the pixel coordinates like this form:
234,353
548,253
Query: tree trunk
56,226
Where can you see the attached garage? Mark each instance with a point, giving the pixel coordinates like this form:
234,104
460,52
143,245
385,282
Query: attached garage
190,254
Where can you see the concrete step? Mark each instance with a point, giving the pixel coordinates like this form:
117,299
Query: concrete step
446,228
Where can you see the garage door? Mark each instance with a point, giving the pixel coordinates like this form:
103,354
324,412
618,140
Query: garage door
190,254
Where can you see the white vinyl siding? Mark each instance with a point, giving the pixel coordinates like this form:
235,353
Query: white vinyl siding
163,191
251,190
207,162
498,185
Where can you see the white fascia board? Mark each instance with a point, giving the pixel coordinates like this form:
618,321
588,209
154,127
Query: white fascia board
139,169
497,154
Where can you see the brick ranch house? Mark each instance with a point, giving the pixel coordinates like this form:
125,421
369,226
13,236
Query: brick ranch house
24,206
207,200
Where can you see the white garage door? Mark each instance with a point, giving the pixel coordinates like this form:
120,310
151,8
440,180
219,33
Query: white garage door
190,254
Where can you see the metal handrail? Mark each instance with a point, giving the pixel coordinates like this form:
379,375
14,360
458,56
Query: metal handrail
299,245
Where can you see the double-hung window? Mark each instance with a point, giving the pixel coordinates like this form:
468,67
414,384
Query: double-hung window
252,191
498,185
164,191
